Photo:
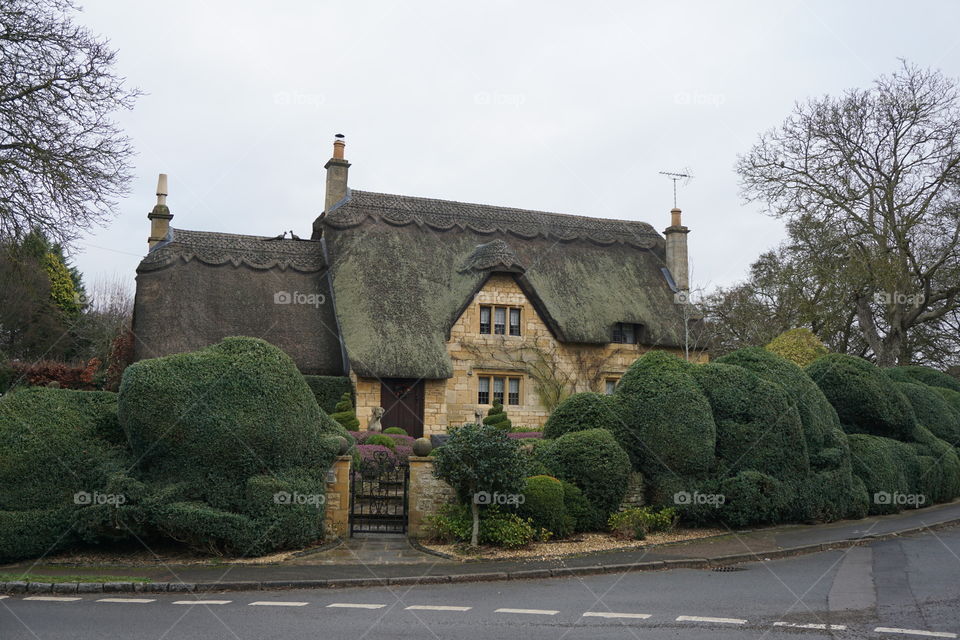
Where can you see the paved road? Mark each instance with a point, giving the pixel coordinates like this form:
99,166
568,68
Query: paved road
902,588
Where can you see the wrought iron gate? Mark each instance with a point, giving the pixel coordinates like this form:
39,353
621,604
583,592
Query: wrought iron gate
378,501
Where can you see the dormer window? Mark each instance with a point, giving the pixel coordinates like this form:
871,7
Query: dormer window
625,333
500,321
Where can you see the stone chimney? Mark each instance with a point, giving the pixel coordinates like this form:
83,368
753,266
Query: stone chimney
337,168
160,217
676,250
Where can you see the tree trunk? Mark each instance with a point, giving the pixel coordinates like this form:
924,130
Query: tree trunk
475,534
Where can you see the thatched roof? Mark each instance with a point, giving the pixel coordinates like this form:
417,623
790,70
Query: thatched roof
196,288
404,269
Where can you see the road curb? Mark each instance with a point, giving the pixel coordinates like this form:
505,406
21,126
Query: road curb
20,587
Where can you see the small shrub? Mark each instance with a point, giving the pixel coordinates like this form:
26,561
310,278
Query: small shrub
580,412
593,461
497,417
799,346
345,415
395,431
66,376
382,440
578,508
454,523
543,504
637,522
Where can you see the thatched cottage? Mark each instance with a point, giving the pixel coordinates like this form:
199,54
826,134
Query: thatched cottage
434,309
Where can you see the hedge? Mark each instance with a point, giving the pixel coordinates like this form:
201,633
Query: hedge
578,507
328,390
544,505
866,400
751,497
579,412
758,428
34,533
667,424
924,375
883,466
933,411
594,462
244,401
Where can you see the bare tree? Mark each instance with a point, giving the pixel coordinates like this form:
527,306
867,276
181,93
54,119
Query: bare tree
63,161
870,181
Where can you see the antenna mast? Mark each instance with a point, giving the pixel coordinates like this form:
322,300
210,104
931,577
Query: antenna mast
677,176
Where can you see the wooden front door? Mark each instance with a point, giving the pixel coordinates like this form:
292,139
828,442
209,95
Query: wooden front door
402,401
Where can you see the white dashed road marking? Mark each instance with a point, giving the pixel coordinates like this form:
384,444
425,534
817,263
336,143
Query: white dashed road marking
533,612
428,607
51,599
610,614
276,603
706,619
348,605
203,602
821,627
130,600
916,632
4,597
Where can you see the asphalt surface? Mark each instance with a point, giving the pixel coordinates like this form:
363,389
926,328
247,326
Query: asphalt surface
907,587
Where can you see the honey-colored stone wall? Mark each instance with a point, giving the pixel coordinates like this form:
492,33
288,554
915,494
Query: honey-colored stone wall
337,500
426,495
533,354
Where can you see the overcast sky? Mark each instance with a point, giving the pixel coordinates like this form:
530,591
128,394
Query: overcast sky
558,106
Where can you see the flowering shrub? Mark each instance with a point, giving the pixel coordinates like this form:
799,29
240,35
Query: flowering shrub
373,459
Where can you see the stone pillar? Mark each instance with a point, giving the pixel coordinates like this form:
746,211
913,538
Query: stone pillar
160,216
337,512
426,495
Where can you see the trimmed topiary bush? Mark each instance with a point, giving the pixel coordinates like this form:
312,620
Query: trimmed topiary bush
578,507
751,497
209,423
933,411
397,431
593,461
345,415
328,390
382,440
579,412
832,494
866,400
799,346
58,450
497,417
883,466
924,375
544,505
667,424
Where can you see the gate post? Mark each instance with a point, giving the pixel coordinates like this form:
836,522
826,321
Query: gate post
427,494
337,511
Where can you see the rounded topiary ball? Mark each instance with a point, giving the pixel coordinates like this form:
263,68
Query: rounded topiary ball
422,447
344,444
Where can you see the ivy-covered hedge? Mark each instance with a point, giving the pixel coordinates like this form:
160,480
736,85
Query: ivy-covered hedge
593,461
579,412
328,390
866,400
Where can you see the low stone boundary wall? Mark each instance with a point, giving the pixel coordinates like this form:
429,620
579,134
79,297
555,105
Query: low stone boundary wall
426,495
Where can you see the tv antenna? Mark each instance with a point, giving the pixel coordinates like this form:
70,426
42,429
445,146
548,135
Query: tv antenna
676,177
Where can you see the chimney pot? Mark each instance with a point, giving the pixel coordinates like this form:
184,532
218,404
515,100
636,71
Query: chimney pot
676,250
160,216
337,170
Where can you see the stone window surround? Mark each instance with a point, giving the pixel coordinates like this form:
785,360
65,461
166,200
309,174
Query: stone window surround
507,309
507,375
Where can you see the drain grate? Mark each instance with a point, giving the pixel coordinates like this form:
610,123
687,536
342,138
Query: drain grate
729,567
